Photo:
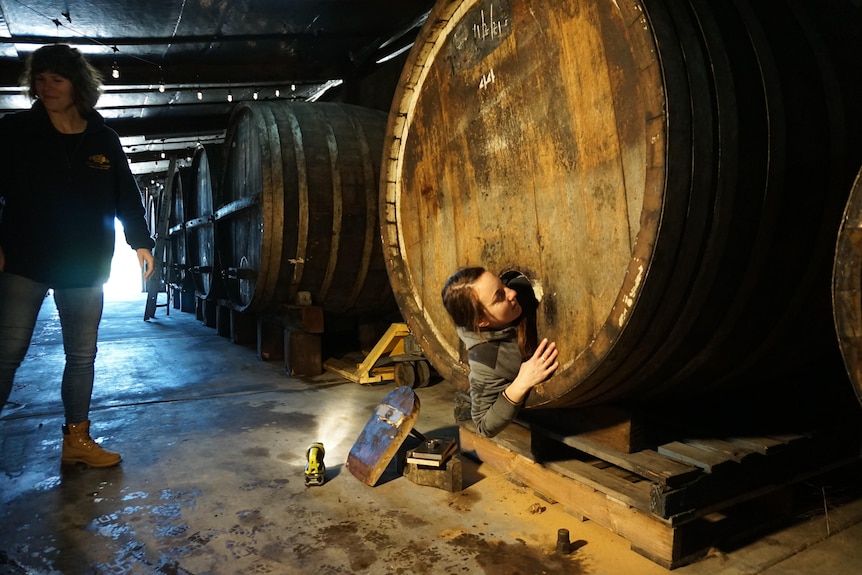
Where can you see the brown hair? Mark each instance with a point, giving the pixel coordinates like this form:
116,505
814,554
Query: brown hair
459,299
68,62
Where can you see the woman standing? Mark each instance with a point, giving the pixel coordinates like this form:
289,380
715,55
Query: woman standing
65,180
505,361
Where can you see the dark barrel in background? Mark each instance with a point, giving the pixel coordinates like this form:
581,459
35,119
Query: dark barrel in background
847,287
206,170
670,175
177,263
297,211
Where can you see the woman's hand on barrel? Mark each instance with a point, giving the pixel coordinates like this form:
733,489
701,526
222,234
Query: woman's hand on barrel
534,371
543,363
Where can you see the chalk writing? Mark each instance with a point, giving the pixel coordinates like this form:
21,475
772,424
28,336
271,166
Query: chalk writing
489,26
487,79
482,30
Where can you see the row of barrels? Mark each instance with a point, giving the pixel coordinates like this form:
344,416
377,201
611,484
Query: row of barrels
285,209
670,175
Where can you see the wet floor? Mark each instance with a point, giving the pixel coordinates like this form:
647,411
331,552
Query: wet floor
212,480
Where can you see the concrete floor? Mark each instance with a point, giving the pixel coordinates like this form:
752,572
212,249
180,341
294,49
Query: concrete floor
212,481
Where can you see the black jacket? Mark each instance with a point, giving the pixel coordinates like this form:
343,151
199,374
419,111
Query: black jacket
59,195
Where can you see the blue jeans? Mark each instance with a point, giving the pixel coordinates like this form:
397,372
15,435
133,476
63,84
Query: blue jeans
80,312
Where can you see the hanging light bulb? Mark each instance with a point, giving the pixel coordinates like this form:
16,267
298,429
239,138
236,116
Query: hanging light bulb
229,96
115,70
277,92
293,87
161,81
200,94
255,94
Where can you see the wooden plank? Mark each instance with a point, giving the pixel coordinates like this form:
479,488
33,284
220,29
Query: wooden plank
646,463
762,445
791,438
730,450
633,494
383,434
707,460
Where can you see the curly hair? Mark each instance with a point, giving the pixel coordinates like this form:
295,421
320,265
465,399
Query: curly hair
68,62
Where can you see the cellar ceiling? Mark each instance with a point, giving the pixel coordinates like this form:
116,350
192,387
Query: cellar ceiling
173,69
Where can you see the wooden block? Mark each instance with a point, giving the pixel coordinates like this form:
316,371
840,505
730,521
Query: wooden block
448,478
312,319
270,340
187,301
302,353
206,312
308,318
223,319
614,427
243,328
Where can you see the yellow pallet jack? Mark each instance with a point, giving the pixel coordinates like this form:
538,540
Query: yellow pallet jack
396,357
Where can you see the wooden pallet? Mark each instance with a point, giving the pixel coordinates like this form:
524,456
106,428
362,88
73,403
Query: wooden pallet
672,503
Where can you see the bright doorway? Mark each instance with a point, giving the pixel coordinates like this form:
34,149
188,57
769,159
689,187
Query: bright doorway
125,282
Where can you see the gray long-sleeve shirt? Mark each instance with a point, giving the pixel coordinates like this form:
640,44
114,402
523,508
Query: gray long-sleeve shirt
494,360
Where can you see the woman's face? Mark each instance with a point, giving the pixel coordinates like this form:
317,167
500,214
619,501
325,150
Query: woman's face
499,302
55,91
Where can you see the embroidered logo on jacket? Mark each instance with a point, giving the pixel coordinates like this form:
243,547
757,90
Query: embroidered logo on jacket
99,162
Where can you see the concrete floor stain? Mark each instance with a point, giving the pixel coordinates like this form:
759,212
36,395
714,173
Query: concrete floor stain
501,558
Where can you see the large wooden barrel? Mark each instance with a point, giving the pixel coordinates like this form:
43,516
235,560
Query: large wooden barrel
297,212
670,175
206,172
177,264
847,287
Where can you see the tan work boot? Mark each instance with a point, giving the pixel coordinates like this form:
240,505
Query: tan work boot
79,447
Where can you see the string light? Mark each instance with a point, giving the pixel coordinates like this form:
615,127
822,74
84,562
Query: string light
115,68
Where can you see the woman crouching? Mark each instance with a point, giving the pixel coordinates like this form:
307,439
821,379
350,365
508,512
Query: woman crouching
505,360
